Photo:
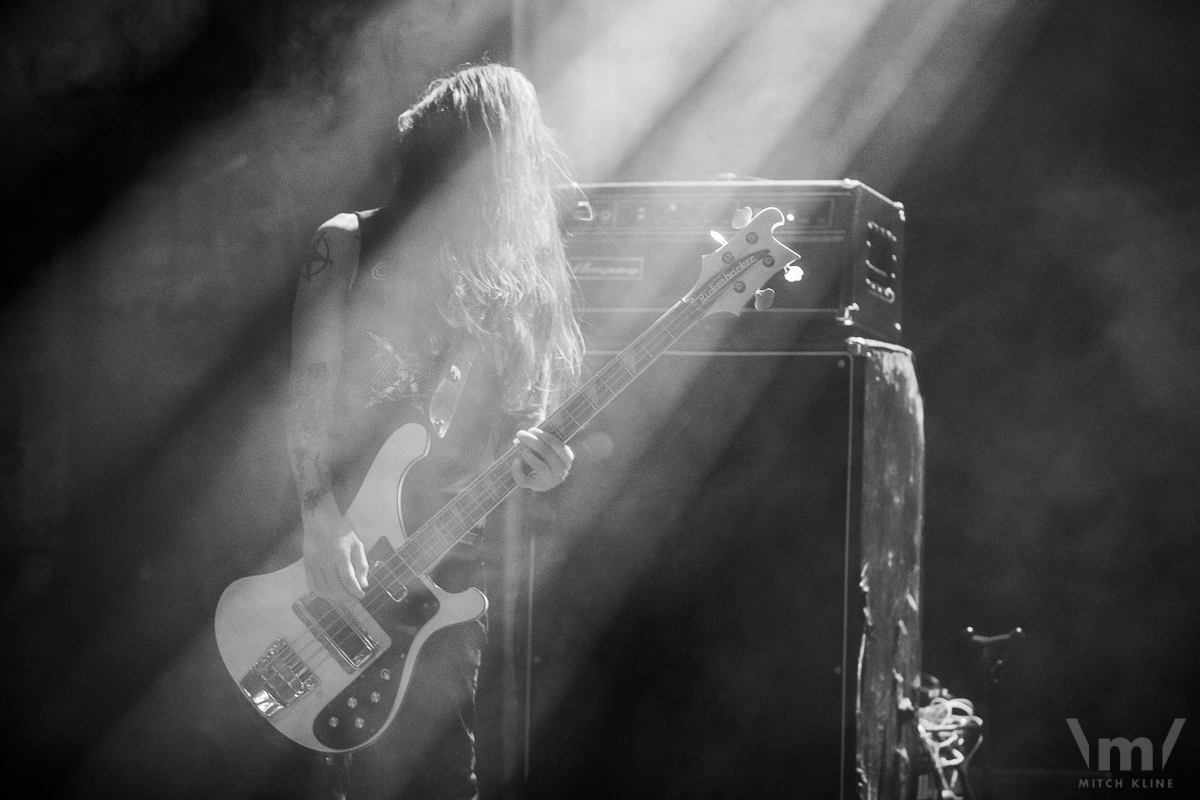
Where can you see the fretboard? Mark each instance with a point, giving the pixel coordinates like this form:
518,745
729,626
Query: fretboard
430,543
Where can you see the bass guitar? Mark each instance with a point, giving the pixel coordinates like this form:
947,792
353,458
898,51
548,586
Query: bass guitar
332,676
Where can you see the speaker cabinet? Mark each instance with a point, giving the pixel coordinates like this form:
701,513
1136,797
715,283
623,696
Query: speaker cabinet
725,597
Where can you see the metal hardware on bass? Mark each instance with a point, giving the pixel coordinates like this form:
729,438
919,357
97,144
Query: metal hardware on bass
633,248
331,676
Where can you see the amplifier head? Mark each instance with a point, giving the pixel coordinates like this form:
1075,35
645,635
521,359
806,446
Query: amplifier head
635,250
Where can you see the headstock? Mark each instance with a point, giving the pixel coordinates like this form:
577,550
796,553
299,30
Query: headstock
732,275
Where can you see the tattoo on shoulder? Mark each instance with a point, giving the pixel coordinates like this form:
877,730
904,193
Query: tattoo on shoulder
318,257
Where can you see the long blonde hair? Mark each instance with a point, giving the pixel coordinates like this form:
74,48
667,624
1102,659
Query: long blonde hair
476,144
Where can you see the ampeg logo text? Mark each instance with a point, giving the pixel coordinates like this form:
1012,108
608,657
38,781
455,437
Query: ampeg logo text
608,268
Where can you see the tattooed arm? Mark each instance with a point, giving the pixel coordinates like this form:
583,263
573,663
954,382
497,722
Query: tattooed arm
333,555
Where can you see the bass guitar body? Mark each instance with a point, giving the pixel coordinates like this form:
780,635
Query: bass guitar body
331,676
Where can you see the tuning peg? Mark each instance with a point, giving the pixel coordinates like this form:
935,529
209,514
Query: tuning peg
741,217
764,299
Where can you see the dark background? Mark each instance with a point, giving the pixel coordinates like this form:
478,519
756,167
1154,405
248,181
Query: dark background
158,189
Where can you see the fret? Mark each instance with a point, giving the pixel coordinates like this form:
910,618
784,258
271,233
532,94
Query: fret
588,395
415,558
476,505
391,582
617,377
495,492
495,483
436,527
626,361
583,406
445,540
471,509
471,501
561,423
399,566
567,421
580,411
554,424
428,554
443,521
454,520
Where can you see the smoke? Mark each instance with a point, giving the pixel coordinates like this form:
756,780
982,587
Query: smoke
186,158
1064,461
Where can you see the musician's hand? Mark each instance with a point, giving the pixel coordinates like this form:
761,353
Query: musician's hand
543,460
335,561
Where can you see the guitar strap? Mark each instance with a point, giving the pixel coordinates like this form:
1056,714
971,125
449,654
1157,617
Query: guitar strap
455,369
